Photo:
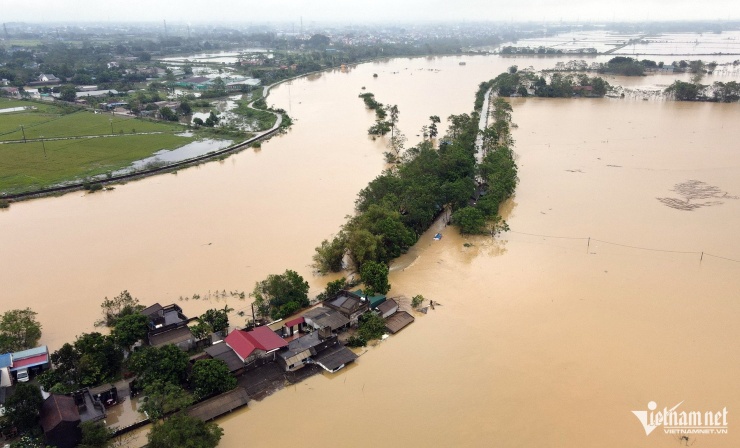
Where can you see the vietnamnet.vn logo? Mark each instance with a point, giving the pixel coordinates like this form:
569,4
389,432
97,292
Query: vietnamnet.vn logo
676,421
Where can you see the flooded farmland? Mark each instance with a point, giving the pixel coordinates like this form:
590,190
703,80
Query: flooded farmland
549,335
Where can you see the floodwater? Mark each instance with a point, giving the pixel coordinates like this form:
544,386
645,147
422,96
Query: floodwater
540,341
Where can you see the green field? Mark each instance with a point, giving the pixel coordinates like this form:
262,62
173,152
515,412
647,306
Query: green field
25,167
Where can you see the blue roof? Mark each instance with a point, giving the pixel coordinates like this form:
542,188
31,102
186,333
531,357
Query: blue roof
6,360
30,352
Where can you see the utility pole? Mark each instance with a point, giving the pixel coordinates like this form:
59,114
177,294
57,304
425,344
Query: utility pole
5,27
24,134
43,144
165,27
111,125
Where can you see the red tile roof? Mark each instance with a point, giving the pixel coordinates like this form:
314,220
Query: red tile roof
244,343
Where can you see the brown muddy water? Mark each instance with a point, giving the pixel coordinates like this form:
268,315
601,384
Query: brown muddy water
539,341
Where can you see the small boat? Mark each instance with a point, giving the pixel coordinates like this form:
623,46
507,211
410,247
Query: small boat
462,63
437,237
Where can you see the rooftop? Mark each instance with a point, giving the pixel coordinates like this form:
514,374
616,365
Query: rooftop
57,409
335,358
387,306
245,343
30,352
398,321
326,317
6,360
226,354
174,336
219,405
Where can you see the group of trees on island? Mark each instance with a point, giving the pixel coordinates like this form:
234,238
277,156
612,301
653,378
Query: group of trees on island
721,92
526,83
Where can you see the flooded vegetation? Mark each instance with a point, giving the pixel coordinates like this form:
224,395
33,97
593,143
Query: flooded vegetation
595,302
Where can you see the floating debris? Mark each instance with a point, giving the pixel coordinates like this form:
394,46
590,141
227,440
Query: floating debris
695,190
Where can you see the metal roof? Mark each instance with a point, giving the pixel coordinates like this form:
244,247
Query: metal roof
398,321
226,354
57,409
246,342
175,336
326,317
6,360
219,405
42,350
335,358
387,306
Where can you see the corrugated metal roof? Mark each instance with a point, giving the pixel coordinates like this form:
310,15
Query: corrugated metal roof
31,361
245,342
219,405
175,336
226,354
30,352
335,358
326,317
398,321
57,409
294,322
387,306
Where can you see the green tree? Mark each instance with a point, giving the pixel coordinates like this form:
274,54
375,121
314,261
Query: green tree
211,377
95,435
22,408
184,432
162,398
217,320
329,255
99,359
130,329
168,114
68,93
121,305
278,294
167,364
332,289
416,301
435,120
470,220
375,277
372,326
19,330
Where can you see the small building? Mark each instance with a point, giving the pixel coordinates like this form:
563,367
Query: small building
12,92
321,317
300,351
255,347
387,308
198,82
27,363
294,326
248,83
348,304
48,78
96,93
60,421
398,321
89,407
167,325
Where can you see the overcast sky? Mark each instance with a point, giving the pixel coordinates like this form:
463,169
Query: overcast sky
361,11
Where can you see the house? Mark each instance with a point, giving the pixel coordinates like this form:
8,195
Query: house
4,82
167,325
113,64
321,317
48,78
96,93
300,351
89,407
388,308
60,421
26,363
350,305
247,83
255,347
219,405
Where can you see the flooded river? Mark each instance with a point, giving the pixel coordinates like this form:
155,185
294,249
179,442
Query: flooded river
540,341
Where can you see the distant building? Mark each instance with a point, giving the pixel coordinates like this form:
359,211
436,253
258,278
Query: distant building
322,317
387,308
48,79
301,350
167,325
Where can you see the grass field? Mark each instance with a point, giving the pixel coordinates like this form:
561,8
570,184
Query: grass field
24,167
49,121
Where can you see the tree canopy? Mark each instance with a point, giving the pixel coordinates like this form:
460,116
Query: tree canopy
22,408
168,364
184,432
211,377
281,295
19,330
375,277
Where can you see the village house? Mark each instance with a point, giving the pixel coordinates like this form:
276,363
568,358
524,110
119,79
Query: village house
387,308
12,92
348,304
167,325
373,300
60,421
322,317
255,347
300,350
24,365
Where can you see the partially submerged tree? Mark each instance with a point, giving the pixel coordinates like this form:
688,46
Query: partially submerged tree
19,330
184,431
163,398
130,329
375,277
280,295
121,305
